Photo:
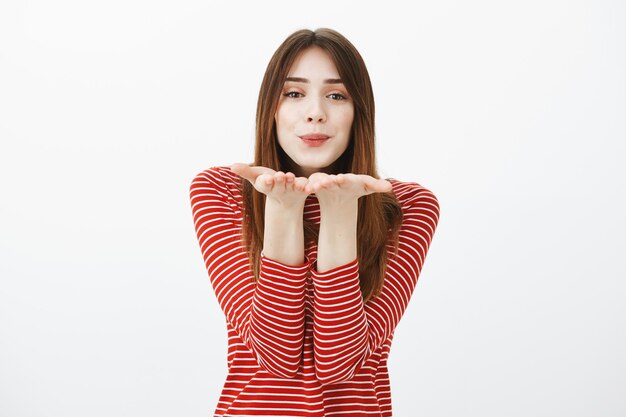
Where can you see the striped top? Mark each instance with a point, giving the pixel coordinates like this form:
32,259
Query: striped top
300,342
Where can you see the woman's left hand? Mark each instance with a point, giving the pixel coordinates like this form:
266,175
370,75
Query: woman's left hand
344,188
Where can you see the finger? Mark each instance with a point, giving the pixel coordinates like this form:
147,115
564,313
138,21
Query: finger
387,187
317,176
325,184
280,183
243,170
383,186
347,181
317,186
264,182
250,172
374,185
311,187
334,182
279,177
300,183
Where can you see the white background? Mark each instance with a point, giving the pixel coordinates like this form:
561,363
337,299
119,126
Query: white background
512,113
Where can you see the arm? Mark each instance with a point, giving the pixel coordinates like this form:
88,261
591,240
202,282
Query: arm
346,331
267,315
283,235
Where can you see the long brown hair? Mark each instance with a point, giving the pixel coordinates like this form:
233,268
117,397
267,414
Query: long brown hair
379,214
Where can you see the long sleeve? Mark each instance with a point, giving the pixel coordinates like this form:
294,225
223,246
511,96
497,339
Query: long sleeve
267,315
347,331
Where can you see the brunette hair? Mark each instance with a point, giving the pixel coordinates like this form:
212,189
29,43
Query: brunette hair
379,214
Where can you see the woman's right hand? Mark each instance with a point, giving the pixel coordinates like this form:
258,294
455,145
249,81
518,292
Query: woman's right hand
283,236
284,188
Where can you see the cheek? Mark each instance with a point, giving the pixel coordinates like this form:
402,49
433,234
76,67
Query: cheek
277,117
280,111
283,126
286,110
348,119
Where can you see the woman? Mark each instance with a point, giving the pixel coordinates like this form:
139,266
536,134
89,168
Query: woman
312,257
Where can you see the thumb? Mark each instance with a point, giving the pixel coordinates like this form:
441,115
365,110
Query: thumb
243,170
248,172
376,185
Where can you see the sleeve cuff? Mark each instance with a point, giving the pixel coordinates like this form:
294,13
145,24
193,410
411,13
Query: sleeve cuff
350,269
276,268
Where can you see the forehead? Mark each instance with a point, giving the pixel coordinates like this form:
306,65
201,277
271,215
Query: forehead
313,63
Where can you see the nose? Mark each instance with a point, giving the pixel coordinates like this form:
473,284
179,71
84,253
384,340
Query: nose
315,112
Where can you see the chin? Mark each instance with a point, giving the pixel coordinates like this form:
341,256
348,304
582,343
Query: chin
315,167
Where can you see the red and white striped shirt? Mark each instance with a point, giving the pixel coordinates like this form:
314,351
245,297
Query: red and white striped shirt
300,342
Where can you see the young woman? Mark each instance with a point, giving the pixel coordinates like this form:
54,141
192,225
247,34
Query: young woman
312,257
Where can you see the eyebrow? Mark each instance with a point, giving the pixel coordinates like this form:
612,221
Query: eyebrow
306,80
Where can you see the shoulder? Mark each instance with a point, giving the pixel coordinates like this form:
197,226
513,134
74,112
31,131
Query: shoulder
217,188
220,177
413,196
217,181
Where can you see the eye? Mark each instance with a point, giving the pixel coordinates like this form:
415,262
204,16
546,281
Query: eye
292,94
337,96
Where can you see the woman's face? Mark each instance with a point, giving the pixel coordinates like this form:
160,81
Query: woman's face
314,115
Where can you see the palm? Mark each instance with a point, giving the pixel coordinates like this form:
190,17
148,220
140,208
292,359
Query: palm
345,187
284,187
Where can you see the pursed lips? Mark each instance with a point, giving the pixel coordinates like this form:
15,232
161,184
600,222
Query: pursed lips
314,136
314,139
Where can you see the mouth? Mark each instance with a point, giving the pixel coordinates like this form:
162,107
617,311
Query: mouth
316,139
